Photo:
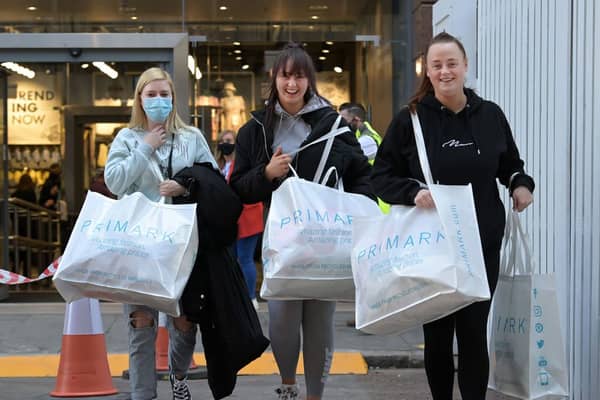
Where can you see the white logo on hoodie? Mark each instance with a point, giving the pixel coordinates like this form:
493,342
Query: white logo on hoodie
456,143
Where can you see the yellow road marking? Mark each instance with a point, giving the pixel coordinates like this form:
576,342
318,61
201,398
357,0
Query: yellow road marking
36,366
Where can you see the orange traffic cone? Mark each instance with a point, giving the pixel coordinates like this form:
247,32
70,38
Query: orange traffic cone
83,368
162,346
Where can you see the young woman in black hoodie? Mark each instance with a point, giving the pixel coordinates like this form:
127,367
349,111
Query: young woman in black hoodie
296,115
468,140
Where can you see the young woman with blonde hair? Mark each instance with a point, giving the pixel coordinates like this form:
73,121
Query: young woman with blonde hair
156,134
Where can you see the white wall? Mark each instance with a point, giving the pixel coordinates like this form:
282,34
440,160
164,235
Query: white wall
459,18
584,212
540,61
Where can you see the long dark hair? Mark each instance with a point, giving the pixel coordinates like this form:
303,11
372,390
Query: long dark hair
301,63
426,86
25,183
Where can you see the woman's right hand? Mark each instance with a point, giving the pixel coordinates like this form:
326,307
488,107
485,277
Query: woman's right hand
423,199
278,166
156,137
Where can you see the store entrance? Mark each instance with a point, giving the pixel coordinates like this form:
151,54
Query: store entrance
90,132
62,106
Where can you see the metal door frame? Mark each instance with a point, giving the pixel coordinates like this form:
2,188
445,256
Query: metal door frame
170,49
4,169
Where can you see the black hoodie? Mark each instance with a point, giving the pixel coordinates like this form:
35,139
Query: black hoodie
473,146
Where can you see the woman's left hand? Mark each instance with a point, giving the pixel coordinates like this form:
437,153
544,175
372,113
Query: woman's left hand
171,188
522,198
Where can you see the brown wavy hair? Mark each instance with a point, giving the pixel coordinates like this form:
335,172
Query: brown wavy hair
426,86
301,62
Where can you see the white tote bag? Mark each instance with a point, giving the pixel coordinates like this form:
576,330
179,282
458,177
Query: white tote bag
527,358
414,266
308,236
131,250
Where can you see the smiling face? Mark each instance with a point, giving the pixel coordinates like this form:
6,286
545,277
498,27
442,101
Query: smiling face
291,87
446,69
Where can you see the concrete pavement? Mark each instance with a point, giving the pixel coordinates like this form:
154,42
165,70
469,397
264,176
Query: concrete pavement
36,329
30,329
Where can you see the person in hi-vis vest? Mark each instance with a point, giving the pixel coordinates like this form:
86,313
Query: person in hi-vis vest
355,114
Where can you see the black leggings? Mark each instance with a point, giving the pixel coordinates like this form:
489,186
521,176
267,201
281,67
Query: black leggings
470,324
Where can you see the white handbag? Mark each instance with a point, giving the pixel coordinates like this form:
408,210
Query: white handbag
527,355
131,250
308,235
414,266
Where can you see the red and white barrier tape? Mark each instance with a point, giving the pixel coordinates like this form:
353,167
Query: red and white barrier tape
11,278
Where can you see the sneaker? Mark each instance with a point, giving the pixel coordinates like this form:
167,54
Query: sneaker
287,392
255,304
181,389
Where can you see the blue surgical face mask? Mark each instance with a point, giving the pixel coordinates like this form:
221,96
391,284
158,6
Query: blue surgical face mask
158,108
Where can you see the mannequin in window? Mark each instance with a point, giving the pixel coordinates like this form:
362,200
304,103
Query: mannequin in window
233,109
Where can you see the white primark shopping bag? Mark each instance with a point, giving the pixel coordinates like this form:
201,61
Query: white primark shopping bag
308,237
527,358
414,266
131,250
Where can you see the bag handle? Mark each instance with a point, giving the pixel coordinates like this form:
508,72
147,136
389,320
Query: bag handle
155,168
505,268
332,133
524,243
329,137
338,179
421,149
508,262
156,171
327,149
516,258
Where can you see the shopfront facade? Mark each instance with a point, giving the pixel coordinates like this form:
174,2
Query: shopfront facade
70,68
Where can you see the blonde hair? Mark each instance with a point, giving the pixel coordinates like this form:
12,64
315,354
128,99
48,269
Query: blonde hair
218,154
138,115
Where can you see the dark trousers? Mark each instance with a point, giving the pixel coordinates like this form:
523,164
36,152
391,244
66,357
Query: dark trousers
470,324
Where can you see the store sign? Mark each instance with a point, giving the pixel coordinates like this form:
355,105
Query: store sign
33,111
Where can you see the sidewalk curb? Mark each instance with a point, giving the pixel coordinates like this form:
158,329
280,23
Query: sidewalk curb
394,360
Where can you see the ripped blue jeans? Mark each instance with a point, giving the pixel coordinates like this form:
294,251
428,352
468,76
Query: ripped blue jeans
142,373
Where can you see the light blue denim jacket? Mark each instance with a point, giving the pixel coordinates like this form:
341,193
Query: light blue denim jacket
128,168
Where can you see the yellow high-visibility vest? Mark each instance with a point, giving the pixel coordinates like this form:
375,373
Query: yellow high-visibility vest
383,206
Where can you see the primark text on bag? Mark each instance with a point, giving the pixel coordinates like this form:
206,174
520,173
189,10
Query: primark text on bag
414,266
308,235
131,250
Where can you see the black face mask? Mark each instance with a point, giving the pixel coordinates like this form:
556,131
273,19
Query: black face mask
226,148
